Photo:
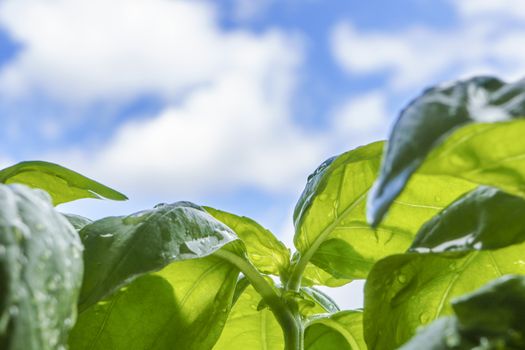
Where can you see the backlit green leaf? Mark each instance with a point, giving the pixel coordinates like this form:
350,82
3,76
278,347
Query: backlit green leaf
183,306
481,153
40,271
485,218
330,219
249,328
265,251
154,272
406,291
62,184
342,330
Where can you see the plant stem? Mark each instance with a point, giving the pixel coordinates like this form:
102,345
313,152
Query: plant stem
285,311
294,282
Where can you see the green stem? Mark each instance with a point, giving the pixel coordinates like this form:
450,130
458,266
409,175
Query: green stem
285,311
296,276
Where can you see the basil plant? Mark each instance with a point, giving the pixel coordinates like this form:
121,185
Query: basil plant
433,219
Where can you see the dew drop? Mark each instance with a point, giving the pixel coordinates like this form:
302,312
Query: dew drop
424,318
256,257
402,278
323,197
13,311
452,339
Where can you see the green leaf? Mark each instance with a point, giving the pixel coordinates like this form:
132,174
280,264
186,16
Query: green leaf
471,154
485,218
118,249
158,280
40,271
330,219
490,318
183,306
406,291
62,184
249,328
77,221
266,252
442,334
313,275
496,309
342,330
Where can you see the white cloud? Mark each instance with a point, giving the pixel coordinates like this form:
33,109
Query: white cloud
85,51
234,133
490,8
227,123
363,117
349,297
419,56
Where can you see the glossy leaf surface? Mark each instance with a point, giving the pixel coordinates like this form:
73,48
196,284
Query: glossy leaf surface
118,249
432,117
406,291
485,218
40,271
265,251
330,219
62,184
183,306
342,330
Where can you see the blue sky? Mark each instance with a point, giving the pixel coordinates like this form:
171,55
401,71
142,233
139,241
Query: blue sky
229,104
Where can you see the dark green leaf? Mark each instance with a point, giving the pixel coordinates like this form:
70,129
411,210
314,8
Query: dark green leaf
330,219
62,184
118,249
40,271
406,291
485,218
490,318
265,251
495,310
432,117
342,330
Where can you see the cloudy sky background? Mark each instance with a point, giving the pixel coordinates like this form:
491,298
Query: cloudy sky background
229,104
